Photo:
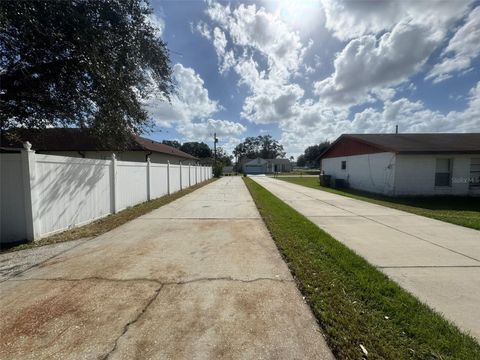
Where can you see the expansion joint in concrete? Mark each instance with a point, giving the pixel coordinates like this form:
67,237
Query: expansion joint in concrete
161,283
92,278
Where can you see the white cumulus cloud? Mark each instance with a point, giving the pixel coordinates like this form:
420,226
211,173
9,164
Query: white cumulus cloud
462,48
205,129
368,63
190,109
349,19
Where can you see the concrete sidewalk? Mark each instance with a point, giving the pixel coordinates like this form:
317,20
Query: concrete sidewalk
436,261
199,278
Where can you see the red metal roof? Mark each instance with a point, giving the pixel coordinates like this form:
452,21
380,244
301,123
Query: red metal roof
155,146
357,144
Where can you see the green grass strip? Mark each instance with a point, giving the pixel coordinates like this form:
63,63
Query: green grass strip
356,304
458,210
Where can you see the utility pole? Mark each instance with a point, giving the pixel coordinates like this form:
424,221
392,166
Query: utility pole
215,140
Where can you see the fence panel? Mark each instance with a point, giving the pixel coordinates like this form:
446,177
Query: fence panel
131,183
192,175
12,200
44,194
185,177
174,178
69,191
158,178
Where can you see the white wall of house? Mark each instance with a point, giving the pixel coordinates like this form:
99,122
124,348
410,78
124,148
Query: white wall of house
44,194
415,175
139,156
369,172
398,174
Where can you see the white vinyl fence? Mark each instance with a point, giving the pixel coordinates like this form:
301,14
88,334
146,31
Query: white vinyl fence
44,194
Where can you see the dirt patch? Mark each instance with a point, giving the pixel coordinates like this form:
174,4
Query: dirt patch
36,319
57,319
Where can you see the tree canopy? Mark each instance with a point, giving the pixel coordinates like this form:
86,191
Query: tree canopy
82,63
223,157
201,151
172,143
310,156
197,149
264,146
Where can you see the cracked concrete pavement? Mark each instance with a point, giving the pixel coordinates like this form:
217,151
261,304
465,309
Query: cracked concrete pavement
199,278
436,261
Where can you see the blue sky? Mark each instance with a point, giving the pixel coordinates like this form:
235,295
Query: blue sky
306,71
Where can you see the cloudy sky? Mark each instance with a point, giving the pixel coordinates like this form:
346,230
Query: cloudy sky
307,71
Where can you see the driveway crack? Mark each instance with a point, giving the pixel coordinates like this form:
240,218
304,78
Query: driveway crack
131,322
227,278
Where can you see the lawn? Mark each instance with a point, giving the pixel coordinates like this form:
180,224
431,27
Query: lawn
354,303
109,222
464,211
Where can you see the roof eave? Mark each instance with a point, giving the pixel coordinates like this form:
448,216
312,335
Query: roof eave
432,152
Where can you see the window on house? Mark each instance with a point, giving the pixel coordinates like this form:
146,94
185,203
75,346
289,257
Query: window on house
474,173
443,172
344,164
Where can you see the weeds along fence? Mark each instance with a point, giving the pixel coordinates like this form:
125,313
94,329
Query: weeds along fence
45,194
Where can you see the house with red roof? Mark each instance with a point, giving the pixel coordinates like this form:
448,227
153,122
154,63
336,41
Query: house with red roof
406,164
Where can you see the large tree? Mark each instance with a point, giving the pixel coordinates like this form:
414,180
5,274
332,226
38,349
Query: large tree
310,156
197,149
264,146
173,143
85,63
223,158
301,162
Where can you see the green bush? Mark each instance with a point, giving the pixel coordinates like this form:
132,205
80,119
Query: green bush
218,170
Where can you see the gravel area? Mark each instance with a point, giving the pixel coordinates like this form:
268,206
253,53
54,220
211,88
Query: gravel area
16,262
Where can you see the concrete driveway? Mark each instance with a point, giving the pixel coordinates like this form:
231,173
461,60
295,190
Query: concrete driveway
199,278
436,261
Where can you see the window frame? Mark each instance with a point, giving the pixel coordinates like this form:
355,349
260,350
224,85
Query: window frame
343,165
450,171
474,181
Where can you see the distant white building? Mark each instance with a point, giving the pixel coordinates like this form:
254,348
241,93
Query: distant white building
406,164
266,166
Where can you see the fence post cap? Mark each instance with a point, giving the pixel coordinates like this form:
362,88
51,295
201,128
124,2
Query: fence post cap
27,146
114,156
